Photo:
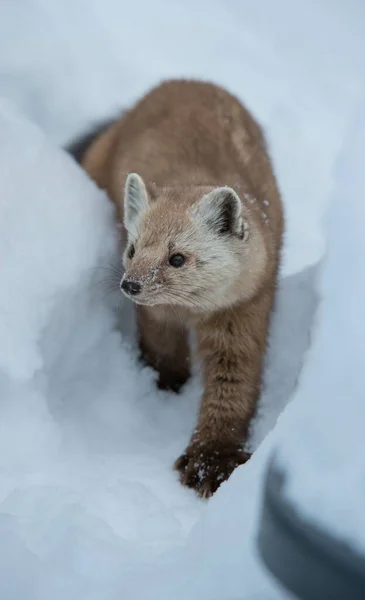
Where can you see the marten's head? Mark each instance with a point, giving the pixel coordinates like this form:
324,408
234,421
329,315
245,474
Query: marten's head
192,246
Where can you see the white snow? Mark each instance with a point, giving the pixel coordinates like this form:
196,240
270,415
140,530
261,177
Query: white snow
324,449
89,506
86,443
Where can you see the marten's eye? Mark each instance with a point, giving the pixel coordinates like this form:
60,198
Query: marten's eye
131,251
177,260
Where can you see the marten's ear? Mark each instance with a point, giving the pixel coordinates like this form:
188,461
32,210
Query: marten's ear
221,211
135,202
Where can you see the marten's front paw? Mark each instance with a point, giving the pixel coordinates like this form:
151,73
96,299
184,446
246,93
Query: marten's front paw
204,468
168,379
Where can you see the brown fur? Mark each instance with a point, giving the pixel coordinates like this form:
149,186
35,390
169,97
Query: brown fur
185,138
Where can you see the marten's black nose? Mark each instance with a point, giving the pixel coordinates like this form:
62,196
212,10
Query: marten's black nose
130,287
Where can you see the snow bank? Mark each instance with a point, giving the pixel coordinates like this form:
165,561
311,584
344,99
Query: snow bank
324,449
73,503
54,226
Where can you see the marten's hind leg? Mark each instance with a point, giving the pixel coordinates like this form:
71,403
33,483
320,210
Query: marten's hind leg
164,346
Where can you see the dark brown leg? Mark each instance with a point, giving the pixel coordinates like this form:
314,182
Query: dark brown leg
232,347
164,346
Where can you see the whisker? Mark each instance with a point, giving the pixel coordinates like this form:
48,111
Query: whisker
195,302
108,292
201,288
110,280
189,302
178,315
111,284
112,271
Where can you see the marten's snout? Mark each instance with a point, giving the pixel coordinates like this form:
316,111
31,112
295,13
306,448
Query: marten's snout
130,287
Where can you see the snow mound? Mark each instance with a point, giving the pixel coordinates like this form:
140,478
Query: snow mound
53,227
324,450
73,503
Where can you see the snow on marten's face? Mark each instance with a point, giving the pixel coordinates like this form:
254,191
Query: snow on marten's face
187,246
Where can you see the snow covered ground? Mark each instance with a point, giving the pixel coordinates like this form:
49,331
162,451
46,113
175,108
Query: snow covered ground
327,475
89,506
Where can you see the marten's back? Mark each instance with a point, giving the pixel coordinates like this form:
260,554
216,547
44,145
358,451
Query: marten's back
187,132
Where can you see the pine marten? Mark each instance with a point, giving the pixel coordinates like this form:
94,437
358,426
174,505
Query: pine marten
189,172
